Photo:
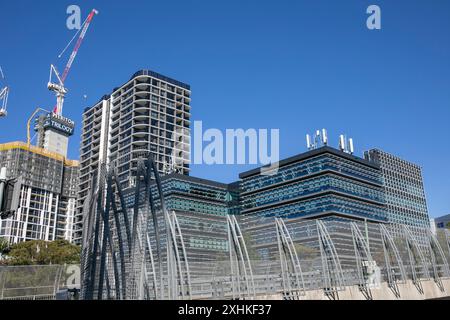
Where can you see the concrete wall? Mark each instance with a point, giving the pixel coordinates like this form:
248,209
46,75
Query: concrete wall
407,291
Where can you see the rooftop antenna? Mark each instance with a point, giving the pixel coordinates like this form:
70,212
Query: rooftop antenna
319,139
346,145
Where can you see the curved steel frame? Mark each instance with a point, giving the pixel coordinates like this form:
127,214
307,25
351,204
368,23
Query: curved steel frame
362,250
290,263
435,252
447,239
87,250
133,265
239,262
415,254
391,251
331,264
177,261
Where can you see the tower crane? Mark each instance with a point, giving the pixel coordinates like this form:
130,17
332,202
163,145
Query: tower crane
3,97
58,85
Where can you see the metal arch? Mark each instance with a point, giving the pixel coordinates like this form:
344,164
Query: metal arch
108,235
128,236
286,281
139,232
87,218
231,246
435,250
134,235
388,248
174,254
117,223
95,246
151,167
131,280
432,255
103,251
238,249
143,280
362,250
144,170
415,253
87,232
103,208
235,251
328,253
447,238
144,243
286,245
244,247
89,241
180,235
149,208
123,209
152,265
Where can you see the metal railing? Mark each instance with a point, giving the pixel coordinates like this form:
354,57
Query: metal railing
37,282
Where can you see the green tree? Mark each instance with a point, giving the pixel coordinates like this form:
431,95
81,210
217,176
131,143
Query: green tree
44,253
448,225
4,248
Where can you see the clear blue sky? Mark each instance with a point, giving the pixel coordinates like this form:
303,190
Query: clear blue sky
293,65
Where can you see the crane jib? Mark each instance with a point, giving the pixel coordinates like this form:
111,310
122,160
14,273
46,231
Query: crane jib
59,88
77,46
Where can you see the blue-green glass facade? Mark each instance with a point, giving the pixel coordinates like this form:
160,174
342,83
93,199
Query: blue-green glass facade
321,183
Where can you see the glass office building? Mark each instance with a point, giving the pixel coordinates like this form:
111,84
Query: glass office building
404,190
323,183
316,184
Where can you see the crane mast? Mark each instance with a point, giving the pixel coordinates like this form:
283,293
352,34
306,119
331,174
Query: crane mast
3,97
58,85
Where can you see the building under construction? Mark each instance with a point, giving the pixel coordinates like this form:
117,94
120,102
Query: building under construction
44,192
41,183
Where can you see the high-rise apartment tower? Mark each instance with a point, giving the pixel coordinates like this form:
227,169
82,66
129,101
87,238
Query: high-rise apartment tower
150,113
